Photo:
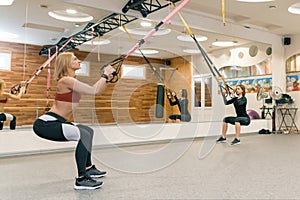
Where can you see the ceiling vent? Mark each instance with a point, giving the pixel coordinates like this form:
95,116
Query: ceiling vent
43,27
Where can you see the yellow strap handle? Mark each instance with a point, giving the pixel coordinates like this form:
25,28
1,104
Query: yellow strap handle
192,35
223,12
130,37
184,22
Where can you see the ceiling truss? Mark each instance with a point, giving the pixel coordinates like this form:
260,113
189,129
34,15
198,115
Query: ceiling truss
93,30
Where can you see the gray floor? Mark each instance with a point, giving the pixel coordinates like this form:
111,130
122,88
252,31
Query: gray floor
262,167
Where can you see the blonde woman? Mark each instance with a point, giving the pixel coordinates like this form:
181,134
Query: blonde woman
4,97
54,125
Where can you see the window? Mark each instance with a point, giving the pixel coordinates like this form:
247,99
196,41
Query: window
293,64
202,91
133,72
5,60
84,69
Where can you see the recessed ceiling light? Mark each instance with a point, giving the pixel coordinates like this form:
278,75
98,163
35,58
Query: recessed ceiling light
6,2
254,1
7,35
145,31
187,38
146,24
71,11
294,9
223,43
74,17
97,42
192,51
146,52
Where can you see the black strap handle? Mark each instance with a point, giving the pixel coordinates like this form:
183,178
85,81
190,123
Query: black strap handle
16,88
115,74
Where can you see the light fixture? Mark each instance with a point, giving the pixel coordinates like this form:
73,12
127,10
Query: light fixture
223,43
97,42
7,35
70,15
71,11
146,51
187,38
145,24
255,1
192,51
6,2
294,9
145,31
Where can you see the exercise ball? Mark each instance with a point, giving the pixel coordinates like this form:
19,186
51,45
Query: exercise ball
253,114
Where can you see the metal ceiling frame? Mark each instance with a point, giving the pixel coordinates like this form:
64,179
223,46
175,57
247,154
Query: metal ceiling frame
145,7
109,23
91,30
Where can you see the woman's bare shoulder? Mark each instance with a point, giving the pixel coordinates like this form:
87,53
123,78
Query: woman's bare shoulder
9,95
66,78
64,84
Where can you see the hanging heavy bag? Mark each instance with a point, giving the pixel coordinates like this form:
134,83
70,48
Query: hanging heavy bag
160,99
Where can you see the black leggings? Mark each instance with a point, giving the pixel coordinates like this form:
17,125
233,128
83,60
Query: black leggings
12,124
182,117
56,131
244,121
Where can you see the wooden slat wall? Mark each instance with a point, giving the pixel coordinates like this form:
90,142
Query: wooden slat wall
127,101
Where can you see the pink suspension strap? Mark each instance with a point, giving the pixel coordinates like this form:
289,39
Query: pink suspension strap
16,88
142,41
48,82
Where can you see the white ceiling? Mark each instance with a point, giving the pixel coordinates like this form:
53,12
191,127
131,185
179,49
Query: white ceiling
45,30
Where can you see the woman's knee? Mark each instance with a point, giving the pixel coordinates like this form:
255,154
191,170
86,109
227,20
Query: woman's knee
228,120
243,122
246,123
86,131
2,117
13,123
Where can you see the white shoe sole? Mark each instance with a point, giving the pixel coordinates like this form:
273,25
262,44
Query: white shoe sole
76,187
97,176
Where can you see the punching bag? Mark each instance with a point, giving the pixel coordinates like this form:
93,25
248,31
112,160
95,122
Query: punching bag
160,99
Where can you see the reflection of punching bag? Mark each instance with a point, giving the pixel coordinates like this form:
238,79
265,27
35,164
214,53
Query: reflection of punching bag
160,99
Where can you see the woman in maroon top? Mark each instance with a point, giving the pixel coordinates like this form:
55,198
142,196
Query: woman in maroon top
54,125
4,96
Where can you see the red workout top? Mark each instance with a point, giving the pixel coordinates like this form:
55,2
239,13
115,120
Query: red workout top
3,100
68,97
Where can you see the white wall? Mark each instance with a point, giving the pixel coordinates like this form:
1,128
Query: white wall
223,58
